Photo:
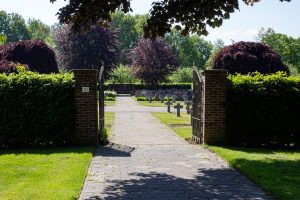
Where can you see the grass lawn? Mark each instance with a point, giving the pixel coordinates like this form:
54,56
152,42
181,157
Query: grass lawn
181,125
109,118
52,173
110,103
276,171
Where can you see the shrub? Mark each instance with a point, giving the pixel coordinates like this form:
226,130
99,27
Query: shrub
141,86
34,53
122,74
246,57
8,67
263,110
182,75
36,110
152,60
110,94
110,98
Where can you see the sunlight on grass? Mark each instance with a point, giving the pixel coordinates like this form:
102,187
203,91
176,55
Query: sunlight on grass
54,173
110,103
276,171
180,125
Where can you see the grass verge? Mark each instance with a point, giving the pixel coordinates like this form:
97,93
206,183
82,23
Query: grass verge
50,173
181,125
276,171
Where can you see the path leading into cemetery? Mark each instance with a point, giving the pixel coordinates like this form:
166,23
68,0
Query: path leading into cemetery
146,160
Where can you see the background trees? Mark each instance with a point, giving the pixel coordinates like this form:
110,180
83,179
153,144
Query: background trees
152,60
92,49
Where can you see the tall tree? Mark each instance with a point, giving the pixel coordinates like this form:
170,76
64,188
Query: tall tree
288,47
191,49
129,29
92,49
3,39
189,15
13,26
38,30
152,60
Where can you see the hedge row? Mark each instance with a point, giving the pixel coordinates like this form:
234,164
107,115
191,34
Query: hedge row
36,110
263,110
140,86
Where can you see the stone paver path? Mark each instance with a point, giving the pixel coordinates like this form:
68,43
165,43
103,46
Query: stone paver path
147,160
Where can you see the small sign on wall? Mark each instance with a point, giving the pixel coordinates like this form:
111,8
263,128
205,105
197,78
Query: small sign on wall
85,89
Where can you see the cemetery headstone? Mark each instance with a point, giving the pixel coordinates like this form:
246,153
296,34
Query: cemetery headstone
188,106
178,107
169,103
174,98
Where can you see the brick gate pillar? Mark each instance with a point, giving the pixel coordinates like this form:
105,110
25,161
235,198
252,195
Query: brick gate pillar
214,106
86,107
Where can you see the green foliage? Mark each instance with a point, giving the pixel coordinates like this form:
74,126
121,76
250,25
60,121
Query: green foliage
209,63
182,75
122,74
110,94
144,99
162,86
36,109
38,30
191,50
3,39
288,47
263,110
110,98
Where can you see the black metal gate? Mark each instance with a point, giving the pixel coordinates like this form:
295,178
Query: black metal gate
101,102
197,109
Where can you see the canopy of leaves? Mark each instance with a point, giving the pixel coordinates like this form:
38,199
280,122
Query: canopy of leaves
192,15
288,47
152,60
86,50
191,50
34,53
13,26
246,57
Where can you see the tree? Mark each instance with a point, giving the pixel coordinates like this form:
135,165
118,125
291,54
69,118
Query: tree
34,53
38,30
189,15
3,39
91,50
191,49
13,26
129,29
247,57
152,60
288,47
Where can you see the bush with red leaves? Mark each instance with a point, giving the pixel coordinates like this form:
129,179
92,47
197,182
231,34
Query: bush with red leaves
34,53
247,57
152,60
9,67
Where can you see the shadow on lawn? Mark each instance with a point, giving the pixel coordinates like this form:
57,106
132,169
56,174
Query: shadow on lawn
208,184
47,151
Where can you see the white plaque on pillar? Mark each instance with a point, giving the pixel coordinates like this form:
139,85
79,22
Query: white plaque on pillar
85,89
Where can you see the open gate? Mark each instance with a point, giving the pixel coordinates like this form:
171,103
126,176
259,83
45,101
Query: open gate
197,109
101,102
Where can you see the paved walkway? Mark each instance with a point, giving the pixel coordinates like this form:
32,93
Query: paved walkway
146,160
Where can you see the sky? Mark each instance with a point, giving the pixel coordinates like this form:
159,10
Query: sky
242,25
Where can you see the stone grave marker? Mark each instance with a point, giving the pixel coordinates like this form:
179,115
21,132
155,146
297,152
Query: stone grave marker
174,98
188,104
169,103
161,97
178,107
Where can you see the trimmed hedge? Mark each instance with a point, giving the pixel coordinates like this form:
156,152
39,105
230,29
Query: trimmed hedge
36,110
140,86
263,110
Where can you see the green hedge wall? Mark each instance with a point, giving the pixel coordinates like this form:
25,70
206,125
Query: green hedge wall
36,110
263,110
140,86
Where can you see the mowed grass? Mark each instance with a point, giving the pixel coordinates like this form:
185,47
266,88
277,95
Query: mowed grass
181,125
276,171
156,103
50,173
109,118
110,103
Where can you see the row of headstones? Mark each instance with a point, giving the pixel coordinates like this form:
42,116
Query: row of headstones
186,96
